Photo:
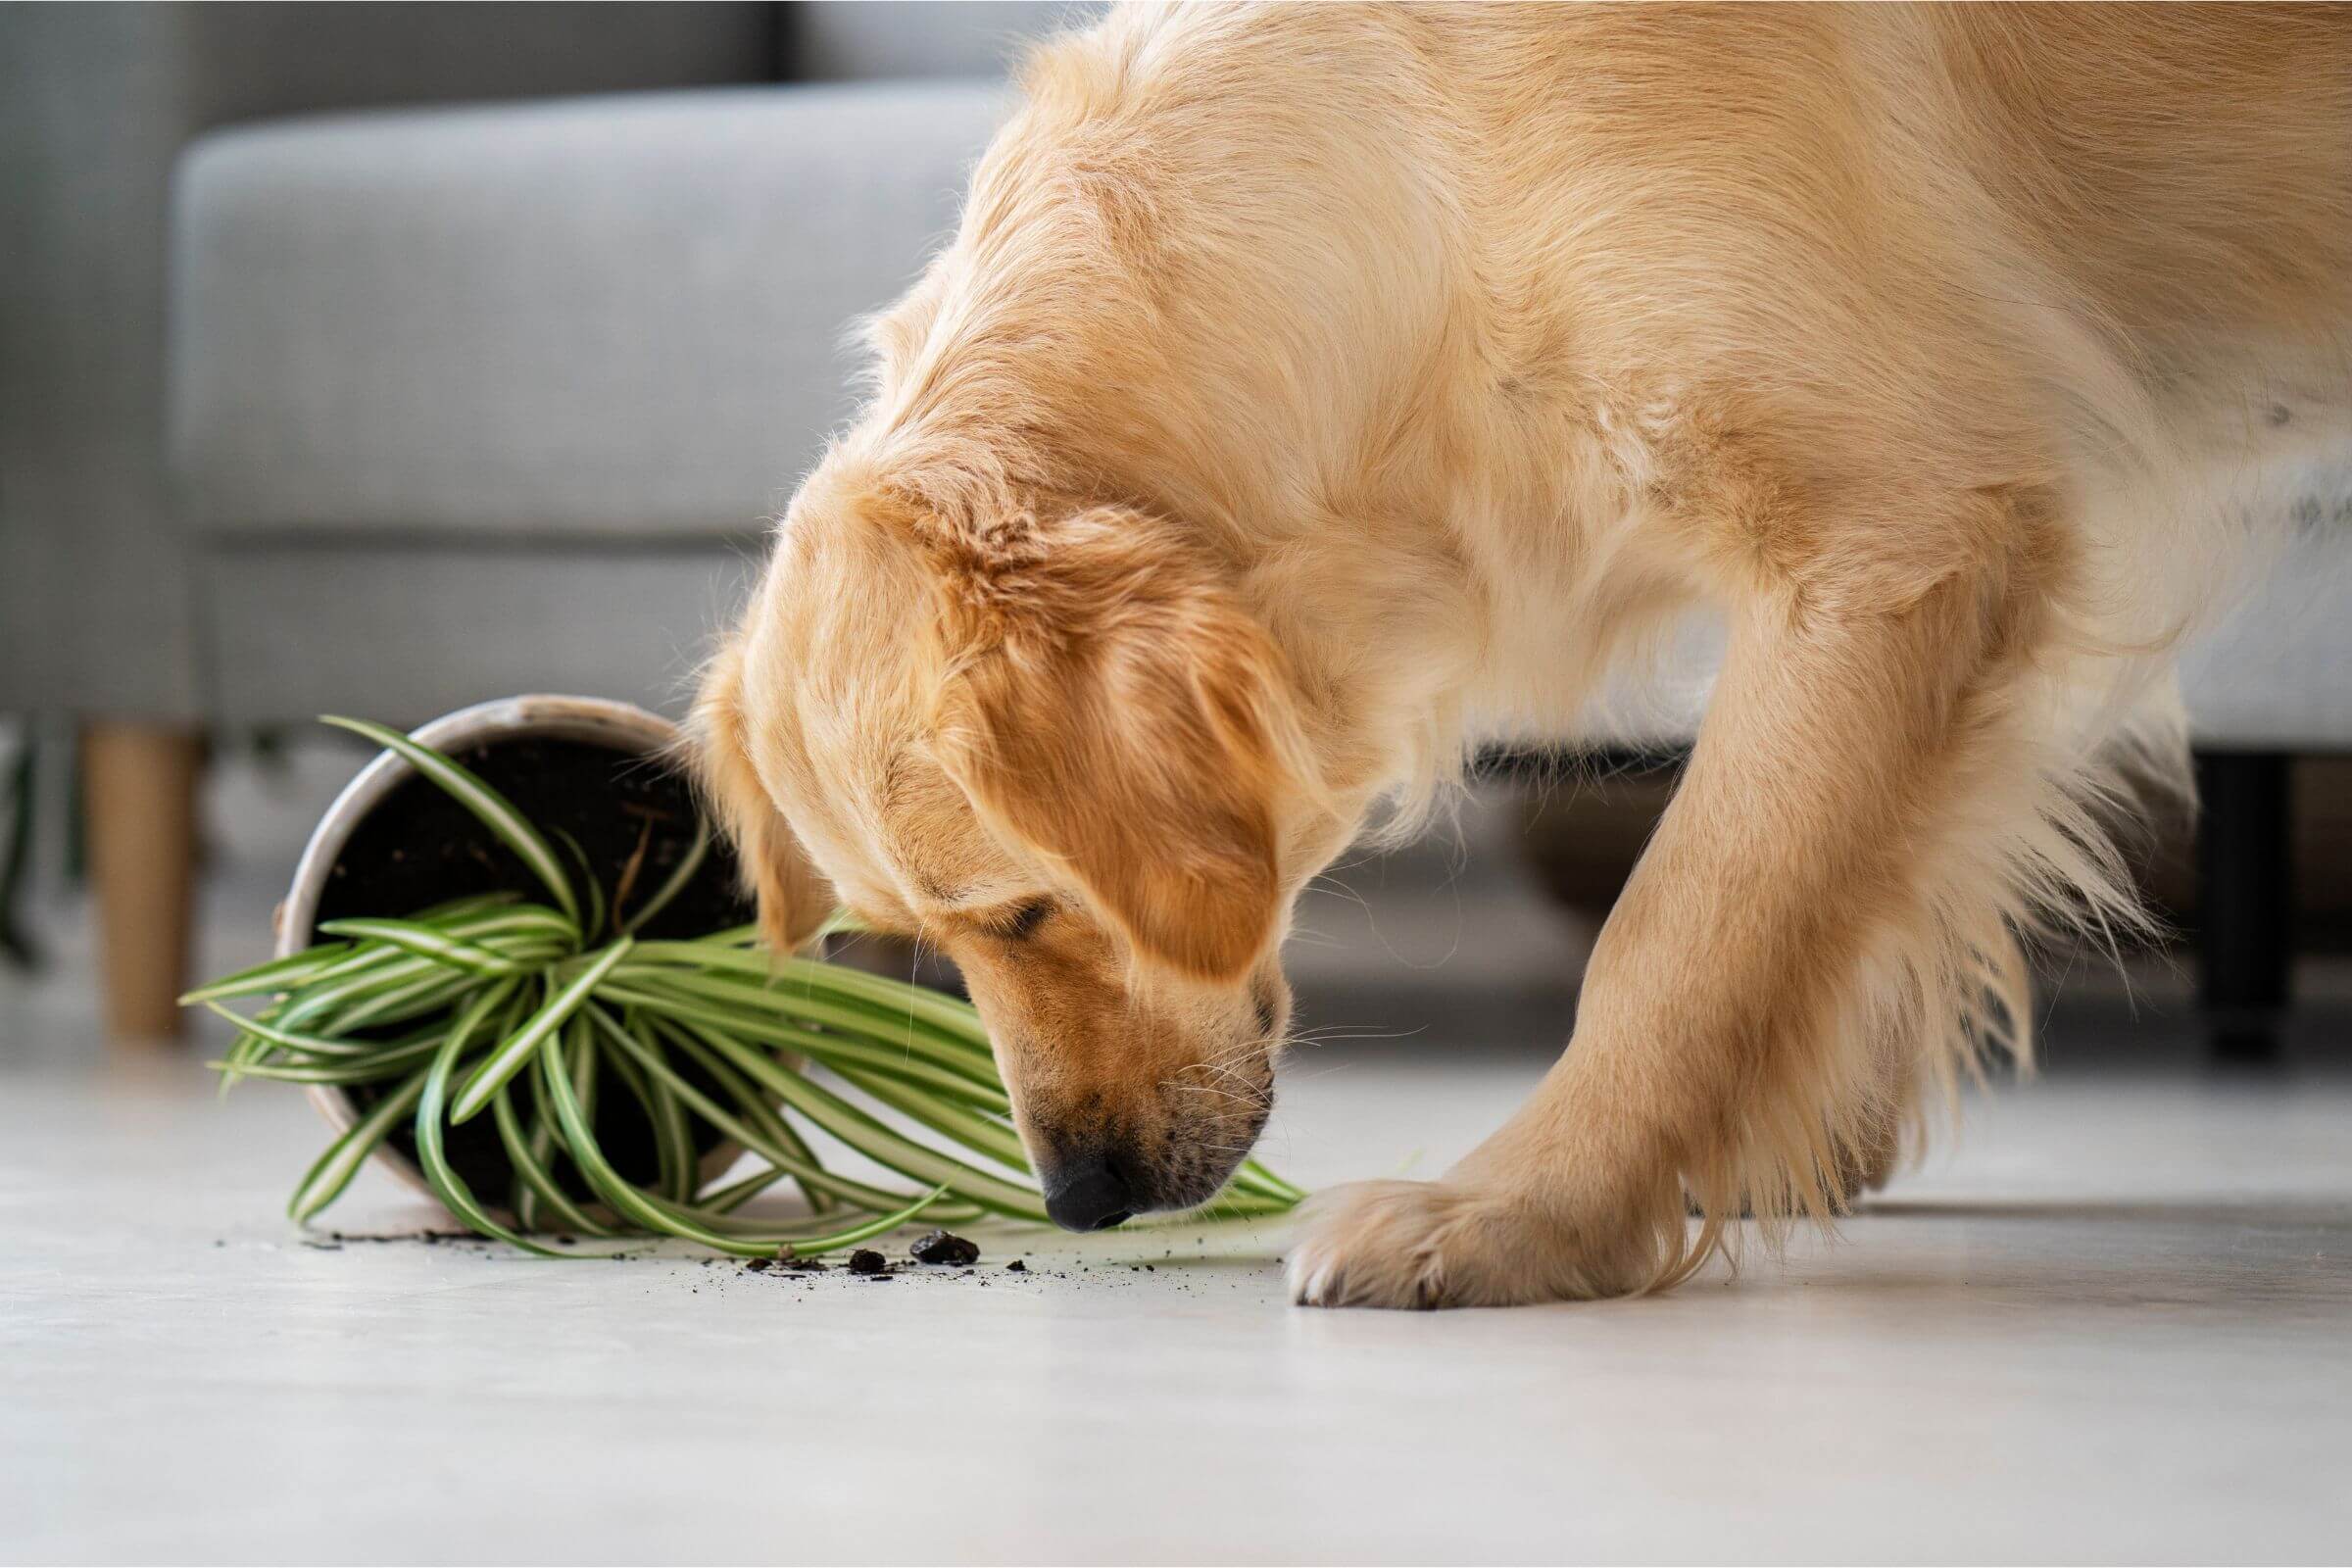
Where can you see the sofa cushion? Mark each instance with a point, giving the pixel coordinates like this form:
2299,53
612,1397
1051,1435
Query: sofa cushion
2272,671
403,630
618,317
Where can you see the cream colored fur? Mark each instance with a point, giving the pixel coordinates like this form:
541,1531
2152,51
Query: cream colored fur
1311,394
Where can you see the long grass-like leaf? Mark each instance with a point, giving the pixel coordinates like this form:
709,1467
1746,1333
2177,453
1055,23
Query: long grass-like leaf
538,1144
651,1032
759,1107
426,942
530,934
787,980
427,993
651,1212
947,1210
333,1170
303,1044
727,1198
595,922
937,1033
528,1152
450,1187
673,1143
688,863
894,1058
279,974
988,1139
910,1049
1257,1177
812,1247
493,810
371,1071
792,1156
514,1052
638,1207
465,904
872,1138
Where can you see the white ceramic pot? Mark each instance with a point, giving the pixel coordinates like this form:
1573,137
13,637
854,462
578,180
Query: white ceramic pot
593,720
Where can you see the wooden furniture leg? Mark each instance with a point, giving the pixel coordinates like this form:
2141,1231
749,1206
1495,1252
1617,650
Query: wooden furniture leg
139,782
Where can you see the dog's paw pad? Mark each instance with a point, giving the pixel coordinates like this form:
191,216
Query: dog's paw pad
1415,1245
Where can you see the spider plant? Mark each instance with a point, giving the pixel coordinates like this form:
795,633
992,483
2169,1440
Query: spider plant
532,1005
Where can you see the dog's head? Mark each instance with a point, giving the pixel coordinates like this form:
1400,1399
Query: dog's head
1052,741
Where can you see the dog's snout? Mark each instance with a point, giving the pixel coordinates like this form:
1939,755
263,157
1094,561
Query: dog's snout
1087,1193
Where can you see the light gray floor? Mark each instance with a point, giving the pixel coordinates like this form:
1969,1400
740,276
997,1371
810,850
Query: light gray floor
2116,1324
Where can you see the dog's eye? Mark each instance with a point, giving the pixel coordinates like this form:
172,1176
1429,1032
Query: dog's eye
1025,921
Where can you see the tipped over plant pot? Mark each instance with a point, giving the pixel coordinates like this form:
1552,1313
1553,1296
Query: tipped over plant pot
515,968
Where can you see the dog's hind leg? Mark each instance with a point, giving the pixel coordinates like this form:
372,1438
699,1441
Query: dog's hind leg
1868,811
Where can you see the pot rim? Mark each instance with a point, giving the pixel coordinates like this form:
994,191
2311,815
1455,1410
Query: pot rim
595,721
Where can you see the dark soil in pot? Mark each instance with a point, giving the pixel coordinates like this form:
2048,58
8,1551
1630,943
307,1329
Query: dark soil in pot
420,848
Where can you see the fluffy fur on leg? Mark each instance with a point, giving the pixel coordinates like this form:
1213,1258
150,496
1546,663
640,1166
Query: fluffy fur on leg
1880,812
2032,856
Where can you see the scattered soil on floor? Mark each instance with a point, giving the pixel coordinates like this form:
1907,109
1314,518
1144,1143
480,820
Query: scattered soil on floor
865,1260
940,1247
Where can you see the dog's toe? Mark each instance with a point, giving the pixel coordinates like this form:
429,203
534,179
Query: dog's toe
1425,1244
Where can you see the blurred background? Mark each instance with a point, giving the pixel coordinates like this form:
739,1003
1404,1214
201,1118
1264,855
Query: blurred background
380,360
383,358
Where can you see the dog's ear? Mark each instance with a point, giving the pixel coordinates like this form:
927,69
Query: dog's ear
793,896
1117,711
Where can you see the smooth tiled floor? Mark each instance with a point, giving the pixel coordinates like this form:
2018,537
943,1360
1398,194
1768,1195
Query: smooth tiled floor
2115,1324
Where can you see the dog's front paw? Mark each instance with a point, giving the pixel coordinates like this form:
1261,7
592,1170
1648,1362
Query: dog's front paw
1450,1243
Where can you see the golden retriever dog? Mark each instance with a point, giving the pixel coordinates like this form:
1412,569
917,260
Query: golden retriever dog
1313,394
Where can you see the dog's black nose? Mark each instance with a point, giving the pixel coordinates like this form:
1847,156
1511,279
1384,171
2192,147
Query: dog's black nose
1086,1194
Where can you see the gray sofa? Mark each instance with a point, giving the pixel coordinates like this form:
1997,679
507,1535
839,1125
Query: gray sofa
466,399
483,400
476,400
98,613
385,357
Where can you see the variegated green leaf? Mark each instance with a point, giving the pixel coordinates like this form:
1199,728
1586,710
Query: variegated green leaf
493,810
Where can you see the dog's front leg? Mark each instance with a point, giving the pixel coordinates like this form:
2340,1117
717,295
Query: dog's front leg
1803,908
